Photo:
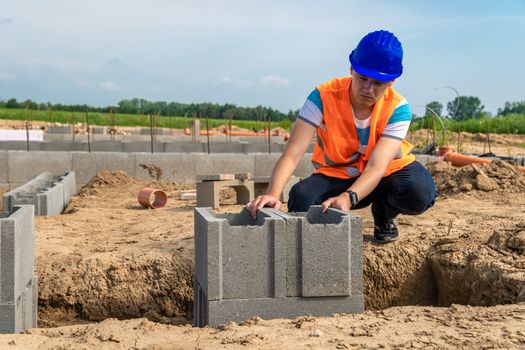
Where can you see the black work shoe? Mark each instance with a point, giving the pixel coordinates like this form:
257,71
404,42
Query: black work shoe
386,233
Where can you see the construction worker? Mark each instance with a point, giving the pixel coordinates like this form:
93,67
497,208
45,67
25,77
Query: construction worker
360,156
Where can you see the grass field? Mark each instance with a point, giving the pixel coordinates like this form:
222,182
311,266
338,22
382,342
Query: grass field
126,119
510,124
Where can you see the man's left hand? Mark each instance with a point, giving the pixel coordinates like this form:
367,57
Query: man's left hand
340,202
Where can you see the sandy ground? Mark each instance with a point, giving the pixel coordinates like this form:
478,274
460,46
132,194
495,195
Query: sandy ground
114,275
109,258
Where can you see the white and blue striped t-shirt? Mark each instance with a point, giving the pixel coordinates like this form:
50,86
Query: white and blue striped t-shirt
396,128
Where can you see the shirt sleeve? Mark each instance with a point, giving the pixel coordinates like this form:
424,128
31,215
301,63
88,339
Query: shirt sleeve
312,110
399,122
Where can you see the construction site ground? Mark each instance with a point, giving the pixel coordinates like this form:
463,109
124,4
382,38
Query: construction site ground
114,275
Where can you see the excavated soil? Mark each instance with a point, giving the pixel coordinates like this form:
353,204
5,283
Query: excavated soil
110,258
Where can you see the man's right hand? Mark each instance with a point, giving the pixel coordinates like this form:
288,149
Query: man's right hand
266,200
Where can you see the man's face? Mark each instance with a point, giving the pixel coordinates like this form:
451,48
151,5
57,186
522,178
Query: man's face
366,90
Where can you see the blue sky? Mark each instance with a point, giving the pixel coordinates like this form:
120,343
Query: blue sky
271,53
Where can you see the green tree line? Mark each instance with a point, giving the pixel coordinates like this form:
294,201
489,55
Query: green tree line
162,108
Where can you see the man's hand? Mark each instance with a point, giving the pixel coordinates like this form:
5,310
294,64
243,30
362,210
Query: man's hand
261,202
340,202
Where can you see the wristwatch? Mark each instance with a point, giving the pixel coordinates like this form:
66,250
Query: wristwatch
353,198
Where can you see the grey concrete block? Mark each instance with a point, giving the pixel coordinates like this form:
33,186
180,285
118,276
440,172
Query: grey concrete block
180,168
24,166
63,146
100,130
60,129
224,147
262,147
22,314
208,191
69,182
224,163
158,147
45,192
223,311
183,147
238,256
86,165
105,146
277,265
4,167
264,164
17,243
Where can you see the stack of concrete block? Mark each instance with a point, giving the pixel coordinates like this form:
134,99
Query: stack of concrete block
48,194
276,266
18,283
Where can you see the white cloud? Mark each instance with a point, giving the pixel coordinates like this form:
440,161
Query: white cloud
238,82
273,80
109,85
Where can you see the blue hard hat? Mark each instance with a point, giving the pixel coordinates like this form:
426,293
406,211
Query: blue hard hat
379,56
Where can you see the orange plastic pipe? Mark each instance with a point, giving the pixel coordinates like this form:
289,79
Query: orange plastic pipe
458,159
152,198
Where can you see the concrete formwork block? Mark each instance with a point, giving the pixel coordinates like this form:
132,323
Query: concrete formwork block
224,147
239,264
262,147
174,167
105,146
22,314
86,165
207,164
183,147
3,167
100,130
63,146
208,192
45,192
158,147
69,182
60,129
24,166
17,242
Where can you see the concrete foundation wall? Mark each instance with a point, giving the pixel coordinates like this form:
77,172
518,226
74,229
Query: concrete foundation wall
19,167
18,285
277,265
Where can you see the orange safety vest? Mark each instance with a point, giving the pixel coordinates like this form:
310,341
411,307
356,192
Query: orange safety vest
336,150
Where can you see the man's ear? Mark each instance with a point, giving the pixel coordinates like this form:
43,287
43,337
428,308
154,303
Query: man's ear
390,83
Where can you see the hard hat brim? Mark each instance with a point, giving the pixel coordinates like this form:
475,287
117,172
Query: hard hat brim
372,73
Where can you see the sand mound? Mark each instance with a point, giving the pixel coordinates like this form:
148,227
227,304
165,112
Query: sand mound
496,176
104,179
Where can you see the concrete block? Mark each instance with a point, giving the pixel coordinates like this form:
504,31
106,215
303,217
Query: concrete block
208,192
17,243
63,146
180,168
207,164
105,146
224,147
24,166
60,129
22,314
69,182
262,147
3,167
158,147
183,147
277,265
45,192
101,130
86,165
